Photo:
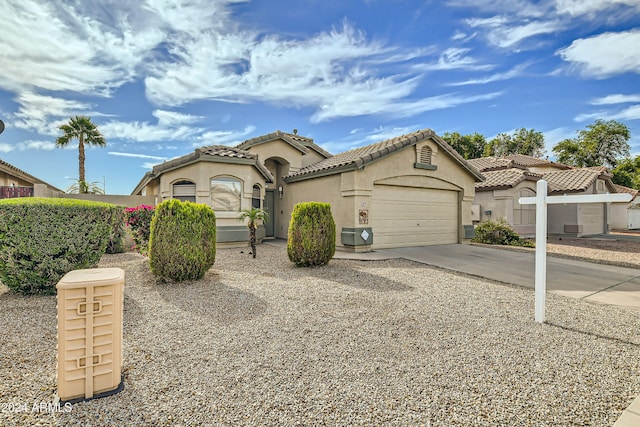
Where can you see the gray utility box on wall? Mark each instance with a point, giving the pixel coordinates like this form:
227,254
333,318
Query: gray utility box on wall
90,307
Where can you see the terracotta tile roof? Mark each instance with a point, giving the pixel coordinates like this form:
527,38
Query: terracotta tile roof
512,161
298,142
572,180
490,163
208,153
358,157
623,189
505,178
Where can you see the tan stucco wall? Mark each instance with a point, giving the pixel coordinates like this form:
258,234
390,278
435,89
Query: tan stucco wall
570,215
619,216
311,157
8,179
279,149
501,203
323,189
351,191
200,174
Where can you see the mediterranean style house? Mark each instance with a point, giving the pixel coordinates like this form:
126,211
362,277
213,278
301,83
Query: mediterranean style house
406,191
15,182
511,177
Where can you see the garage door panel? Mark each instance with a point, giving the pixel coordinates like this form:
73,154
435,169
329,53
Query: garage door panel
405,216
592,218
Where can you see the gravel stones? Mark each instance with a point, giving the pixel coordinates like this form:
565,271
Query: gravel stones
260,342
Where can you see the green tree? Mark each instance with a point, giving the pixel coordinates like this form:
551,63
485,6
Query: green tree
469,146
86,132
528,142
84,187
627,173
253,215
601,144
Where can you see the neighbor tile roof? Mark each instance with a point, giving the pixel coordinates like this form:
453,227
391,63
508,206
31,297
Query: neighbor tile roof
360,156
623,189
511,161
505,178
572,180
490,163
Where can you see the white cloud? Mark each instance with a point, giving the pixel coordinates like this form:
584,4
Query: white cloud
591,7
629,113
5,148
220,137
616,99
506,32
57,46
136,155
454,58
399,109
44,114
514,72
171,126
319,72
605,55
554,136
38,145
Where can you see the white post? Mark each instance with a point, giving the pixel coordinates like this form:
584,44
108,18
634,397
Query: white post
541,249
541,201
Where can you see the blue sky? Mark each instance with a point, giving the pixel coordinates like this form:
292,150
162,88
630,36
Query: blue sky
162,77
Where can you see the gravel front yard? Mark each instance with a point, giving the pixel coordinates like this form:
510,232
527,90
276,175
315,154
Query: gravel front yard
260,342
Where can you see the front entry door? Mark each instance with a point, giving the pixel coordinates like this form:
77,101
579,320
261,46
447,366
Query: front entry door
269,208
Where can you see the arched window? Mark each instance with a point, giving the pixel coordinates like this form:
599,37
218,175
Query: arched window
524,214
425,155
255,197
184,190
226,194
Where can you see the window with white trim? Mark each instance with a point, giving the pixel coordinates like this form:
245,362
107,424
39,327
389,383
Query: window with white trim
226,194
184,190
255,197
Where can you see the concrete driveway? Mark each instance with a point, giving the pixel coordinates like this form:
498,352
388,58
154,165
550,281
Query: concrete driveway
578,279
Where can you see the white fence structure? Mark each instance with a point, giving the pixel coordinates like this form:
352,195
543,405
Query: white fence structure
541,201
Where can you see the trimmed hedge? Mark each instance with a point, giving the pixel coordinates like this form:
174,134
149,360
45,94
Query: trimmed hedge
312,235
42,239
182,242
499,233
115,244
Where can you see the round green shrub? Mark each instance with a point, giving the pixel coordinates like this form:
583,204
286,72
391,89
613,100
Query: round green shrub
182,242
312,234
499,233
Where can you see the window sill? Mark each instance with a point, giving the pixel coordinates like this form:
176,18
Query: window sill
425,166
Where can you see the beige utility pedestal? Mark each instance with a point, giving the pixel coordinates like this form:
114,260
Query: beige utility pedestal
90,306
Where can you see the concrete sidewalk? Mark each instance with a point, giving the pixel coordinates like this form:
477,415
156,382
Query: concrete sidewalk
577,279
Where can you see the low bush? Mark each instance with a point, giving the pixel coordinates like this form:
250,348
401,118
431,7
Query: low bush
182,243
115,245
312,234
138,220
499,233
42,239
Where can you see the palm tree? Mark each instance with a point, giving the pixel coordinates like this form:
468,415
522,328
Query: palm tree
253,215
86,132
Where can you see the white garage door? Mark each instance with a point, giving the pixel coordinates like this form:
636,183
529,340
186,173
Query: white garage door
592,218
406,216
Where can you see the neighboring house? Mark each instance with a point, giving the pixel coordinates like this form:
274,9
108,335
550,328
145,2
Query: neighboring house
512,177
405,191
15,182
625,215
